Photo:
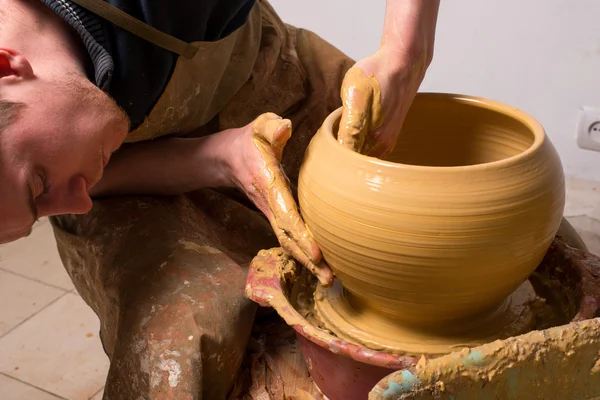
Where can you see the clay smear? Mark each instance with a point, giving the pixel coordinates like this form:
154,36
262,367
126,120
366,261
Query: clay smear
349,320
270,135
558,363
361,96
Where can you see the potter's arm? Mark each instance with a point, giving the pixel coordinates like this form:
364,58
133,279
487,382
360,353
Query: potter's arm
172,166
247,158
409,28
165,167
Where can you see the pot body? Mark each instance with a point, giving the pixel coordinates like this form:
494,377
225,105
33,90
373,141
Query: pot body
450,223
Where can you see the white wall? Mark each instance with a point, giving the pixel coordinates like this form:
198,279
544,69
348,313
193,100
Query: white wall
542,56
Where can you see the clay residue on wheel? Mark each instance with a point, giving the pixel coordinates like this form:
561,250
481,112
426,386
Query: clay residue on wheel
558,290
338,311
558,363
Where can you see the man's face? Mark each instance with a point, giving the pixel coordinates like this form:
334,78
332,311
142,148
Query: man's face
56,149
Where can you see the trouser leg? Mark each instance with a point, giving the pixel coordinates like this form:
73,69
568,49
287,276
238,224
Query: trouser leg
166,279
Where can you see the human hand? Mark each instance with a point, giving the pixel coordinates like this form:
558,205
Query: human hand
376,95
378,90
256,170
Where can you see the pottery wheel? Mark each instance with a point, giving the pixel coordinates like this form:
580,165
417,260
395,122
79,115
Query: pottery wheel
342,314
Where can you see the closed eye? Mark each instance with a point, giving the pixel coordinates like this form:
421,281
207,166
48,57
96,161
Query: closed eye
42,186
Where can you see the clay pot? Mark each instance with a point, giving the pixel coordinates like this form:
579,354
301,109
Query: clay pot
568,280
450,223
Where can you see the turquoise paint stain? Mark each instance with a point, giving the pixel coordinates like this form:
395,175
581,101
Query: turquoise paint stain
406,383
408,379
474,358
393,390
514,379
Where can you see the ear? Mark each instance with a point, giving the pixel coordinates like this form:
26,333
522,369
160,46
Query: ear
14,65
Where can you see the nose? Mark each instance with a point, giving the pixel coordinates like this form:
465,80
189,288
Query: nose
72,198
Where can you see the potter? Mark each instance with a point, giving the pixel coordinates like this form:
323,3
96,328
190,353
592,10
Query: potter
168,115
445,228
151,131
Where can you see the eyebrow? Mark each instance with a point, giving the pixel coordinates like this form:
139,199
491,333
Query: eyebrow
32,206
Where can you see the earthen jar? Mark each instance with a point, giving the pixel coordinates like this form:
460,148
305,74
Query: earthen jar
450,223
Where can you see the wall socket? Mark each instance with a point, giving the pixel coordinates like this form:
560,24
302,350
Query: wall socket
588,130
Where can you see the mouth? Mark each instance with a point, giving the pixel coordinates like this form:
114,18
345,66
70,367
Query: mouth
13,236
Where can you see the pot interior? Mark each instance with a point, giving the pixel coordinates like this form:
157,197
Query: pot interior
445,131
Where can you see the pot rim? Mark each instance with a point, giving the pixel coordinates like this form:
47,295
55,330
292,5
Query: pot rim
516,114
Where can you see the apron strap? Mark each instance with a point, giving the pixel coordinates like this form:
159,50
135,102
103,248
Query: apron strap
138,28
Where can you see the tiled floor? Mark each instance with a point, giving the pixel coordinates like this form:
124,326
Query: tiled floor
583,211
49,346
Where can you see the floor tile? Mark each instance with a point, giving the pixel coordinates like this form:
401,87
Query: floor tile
98,396
36,257
14,390
22,298
58,350
583,198
589,230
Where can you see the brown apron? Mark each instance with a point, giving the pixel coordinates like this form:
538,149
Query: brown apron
206,77
166,275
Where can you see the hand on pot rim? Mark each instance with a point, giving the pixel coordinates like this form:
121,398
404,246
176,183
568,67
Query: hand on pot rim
378,90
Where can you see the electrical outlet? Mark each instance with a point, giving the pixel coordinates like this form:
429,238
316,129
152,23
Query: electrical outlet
588,131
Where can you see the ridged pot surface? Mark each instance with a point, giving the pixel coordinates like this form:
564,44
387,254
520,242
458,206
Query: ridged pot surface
451,222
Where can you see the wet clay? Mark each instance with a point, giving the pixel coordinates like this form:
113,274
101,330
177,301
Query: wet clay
558,363
454,220
276,280
270,134
361,97
350,320
329,309
567,285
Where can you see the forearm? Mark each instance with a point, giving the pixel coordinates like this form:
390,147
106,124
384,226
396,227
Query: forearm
409,28
165,167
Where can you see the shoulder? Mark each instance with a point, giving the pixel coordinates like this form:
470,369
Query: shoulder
191,21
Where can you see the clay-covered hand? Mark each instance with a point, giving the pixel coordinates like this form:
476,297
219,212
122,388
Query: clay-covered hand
378,90
257,171
376,94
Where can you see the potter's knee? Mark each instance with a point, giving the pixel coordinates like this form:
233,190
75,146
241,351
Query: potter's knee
174,355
